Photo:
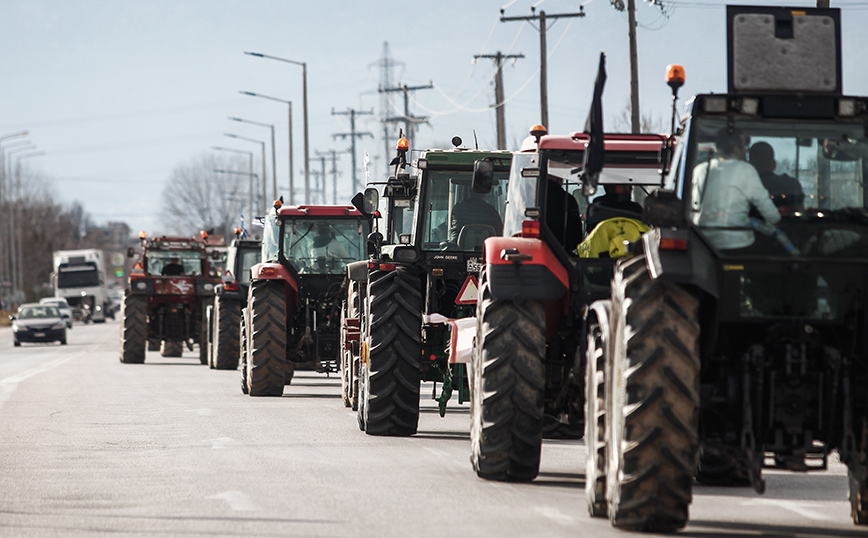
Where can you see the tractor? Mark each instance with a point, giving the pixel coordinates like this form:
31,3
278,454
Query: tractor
736,335
406,306
164,304
537,282
230,297
292,313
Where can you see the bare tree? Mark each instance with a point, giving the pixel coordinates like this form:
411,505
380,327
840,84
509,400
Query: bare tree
198,197
622,122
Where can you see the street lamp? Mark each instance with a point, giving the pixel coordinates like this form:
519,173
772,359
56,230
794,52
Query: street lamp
18,258
250,173
304,99
3,274
291,174
12,248
239,137
273,158
250,176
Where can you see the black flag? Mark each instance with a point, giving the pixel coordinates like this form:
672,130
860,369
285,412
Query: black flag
594,155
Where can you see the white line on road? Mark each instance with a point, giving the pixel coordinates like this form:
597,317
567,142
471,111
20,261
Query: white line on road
9,384
555,515
805,509
221,442
237,500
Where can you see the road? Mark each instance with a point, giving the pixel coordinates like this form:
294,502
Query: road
90,446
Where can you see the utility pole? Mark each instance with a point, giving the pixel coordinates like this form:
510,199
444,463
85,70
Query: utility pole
386,63
334,172
352,113
499,58
319,179
410,121
823,3
543,68
635,122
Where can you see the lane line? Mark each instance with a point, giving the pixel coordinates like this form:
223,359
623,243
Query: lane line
237,500
807,510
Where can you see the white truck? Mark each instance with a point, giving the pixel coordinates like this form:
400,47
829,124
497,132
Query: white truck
79,276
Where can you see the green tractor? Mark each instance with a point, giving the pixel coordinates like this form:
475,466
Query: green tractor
408,313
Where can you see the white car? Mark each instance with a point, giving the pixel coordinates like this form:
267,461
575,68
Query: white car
62,305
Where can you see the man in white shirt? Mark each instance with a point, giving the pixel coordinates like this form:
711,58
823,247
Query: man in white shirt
724,188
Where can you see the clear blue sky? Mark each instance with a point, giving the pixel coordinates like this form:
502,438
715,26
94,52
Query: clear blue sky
117,93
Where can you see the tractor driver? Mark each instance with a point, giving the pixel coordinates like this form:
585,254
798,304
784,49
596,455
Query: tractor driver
725,188
174,267
476,212
326,245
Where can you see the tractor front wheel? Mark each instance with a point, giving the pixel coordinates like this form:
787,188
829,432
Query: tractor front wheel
225,338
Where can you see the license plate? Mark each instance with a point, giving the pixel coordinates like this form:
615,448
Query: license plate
474,265
38,334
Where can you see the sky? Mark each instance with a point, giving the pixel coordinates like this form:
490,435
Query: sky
115,95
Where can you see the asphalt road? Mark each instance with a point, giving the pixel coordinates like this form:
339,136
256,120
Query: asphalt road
93,447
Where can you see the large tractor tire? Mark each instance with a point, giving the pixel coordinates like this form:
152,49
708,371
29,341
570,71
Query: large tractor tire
393,373
595,420
203,339
153,344
652,382
349,359
134,330
857,471
508,387
266,354
225,338
242,352
171,349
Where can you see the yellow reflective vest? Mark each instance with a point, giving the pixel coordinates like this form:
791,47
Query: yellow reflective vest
609,236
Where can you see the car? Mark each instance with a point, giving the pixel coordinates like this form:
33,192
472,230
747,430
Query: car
63,306
38,323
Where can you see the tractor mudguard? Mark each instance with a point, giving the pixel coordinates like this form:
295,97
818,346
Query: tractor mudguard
684,258
276,271
358,271
522,268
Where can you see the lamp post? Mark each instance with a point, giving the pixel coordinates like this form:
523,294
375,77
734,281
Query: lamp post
18,259
250,173
304,105
291,173
239,137
273,158
12,248
3,139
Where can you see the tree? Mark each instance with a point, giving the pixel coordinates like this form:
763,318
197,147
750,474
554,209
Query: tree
622,122
197,197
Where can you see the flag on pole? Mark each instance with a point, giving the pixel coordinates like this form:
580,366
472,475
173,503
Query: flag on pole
595,154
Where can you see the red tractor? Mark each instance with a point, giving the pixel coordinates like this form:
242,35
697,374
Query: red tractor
539,278
169,287
292,315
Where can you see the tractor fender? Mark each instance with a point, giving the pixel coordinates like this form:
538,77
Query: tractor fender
276,271
358,271
693,264
523,268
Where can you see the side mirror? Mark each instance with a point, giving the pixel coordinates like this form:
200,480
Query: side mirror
371,200
131,252
483,176
375,241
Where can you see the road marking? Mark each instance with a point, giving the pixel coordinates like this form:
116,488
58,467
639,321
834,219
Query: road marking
237,500
221,442
809,510
9,384
435,451
555,515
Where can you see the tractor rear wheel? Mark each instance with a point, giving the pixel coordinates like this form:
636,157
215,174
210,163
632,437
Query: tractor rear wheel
391,393
242,352
227,315
653,418
266,355
346,359
595,421
857,473
153,344
134,330
508,389
171,349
